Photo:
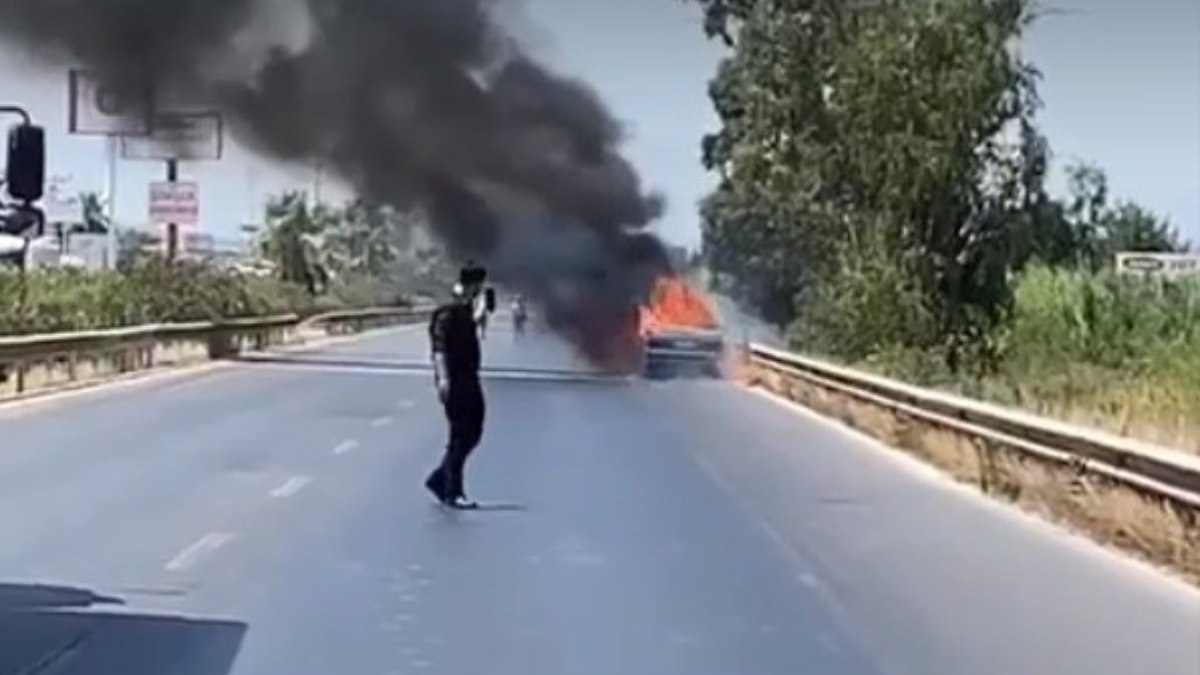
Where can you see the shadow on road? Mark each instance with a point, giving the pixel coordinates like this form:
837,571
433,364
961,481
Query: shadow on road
399,366
53,629
484,506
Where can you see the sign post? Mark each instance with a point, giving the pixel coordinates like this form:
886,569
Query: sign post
172,226
176,136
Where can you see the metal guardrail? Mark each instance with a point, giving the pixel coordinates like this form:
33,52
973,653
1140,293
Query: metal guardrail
1151,470
134,348
364,319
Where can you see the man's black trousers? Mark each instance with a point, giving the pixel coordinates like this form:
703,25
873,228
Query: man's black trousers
465,410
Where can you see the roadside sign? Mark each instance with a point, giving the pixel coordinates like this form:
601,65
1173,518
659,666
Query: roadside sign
108,108
177,203
1158,264
178,136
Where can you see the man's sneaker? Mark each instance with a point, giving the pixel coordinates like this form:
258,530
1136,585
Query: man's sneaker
461,502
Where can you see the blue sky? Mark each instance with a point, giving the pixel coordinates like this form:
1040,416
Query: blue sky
1121,86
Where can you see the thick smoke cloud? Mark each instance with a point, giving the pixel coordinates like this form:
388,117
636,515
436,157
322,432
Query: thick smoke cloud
424,103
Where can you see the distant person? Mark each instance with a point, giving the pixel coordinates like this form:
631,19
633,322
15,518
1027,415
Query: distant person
455,350
519,314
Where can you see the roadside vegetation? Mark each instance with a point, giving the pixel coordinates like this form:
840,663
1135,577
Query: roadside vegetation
310,259
883,196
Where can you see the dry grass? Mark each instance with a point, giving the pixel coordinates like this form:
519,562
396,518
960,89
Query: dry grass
1160,411
1110,513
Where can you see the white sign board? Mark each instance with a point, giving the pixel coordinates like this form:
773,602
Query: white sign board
177,203
102,108
1158,264
179,136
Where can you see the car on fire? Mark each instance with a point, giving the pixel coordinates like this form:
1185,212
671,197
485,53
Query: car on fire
679,332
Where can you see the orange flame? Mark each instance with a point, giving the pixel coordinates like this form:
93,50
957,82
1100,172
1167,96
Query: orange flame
675,304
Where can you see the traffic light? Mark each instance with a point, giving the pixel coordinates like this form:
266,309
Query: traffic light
25,170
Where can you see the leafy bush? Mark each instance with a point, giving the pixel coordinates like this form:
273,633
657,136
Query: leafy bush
1103,319
1100,349
65,300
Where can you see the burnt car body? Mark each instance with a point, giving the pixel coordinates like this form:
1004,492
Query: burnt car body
677,351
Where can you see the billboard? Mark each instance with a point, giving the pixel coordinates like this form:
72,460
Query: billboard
102,108
177,136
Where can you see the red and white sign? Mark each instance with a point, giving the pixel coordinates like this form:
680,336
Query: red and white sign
177,203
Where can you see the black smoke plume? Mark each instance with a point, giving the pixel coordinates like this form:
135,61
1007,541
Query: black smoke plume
425,103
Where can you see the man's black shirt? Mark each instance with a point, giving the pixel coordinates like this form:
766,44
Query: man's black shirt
454,334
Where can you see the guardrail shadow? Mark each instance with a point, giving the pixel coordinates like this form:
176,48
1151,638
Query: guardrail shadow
55,629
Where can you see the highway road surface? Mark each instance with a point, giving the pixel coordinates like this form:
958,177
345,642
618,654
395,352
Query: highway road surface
267,518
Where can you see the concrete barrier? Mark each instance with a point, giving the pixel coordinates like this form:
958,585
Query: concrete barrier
36,364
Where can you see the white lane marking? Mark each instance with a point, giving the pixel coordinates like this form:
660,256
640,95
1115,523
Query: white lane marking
405,404
207,544
290,487
345,446
379,422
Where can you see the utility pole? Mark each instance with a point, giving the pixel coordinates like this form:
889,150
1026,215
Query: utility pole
172,228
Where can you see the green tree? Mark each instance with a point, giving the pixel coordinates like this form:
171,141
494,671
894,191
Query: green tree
295,240
891,140
95,217
1099,230
1130,227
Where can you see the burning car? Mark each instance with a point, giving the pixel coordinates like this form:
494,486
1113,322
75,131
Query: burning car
679,332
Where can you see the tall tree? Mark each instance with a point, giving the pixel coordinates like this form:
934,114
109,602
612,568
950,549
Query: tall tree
892,139
295,240
1130,227
95,217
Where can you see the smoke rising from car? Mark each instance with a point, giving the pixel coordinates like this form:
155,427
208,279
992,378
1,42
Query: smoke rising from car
413,103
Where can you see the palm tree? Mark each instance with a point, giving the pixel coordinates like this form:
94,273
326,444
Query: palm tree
295,240
373,238
95,219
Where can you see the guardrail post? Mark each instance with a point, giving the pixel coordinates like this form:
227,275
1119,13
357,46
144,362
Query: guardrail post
219,344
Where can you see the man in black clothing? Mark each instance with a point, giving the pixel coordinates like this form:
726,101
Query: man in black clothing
454,342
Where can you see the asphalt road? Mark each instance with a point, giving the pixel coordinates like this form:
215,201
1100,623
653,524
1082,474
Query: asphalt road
267,518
